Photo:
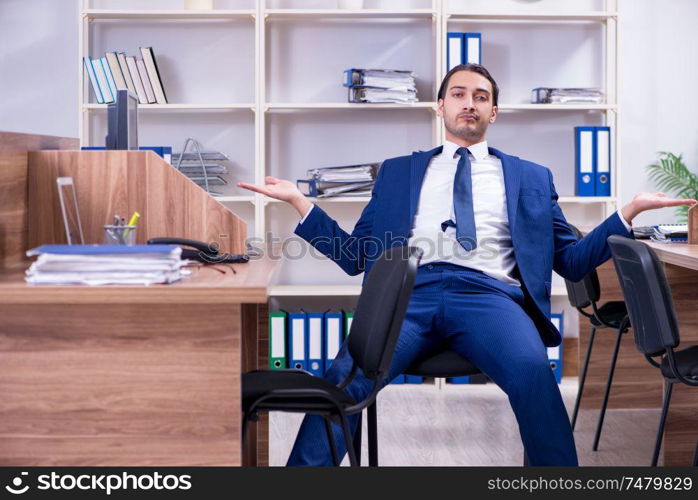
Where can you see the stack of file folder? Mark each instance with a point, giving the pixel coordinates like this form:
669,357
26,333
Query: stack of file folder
105,265
310,341
670,233
380,86
549,95
214,167
349,180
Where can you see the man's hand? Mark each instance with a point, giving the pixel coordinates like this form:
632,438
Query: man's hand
281,190
650,201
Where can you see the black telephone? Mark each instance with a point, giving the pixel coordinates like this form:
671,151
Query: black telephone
202,252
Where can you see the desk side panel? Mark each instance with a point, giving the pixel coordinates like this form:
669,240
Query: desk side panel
144,385
123,182
13,190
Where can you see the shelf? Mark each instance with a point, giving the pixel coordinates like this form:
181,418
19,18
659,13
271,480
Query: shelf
314,290
346,291
366,199
224,199
167,14
539,16
349,13
166,107
557,107
336,199
276,106
586,199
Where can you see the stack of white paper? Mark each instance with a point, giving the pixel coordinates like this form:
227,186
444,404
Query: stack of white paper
105,265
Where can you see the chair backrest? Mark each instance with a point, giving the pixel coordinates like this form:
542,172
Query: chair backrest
381,309
647,295
582,293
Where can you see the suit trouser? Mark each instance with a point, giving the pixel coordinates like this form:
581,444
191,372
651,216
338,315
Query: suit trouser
482,319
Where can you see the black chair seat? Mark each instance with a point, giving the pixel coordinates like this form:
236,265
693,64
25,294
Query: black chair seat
443,364
613,312
686,363
260,383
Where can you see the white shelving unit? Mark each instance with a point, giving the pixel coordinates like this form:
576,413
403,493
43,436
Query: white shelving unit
265,106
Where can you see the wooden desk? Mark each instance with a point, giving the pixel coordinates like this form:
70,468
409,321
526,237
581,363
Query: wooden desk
130,375
123,375
637,384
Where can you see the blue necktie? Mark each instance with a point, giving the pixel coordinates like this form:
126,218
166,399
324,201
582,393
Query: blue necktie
463,203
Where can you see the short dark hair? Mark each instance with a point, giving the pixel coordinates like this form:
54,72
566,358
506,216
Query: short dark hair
475,68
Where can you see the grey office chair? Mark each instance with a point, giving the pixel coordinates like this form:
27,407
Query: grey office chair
655,327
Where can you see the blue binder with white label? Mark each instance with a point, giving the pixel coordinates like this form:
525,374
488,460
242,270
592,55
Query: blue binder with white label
316,363
555,353
454,50
297,350
472,48
334,336
585,156
602,175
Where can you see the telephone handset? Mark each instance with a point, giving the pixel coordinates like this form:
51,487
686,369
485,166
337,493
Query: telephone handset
200,251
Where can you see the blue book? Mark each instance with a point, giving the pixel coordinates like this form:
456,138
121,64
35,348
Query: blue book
151,250
93,79
110,77
413,379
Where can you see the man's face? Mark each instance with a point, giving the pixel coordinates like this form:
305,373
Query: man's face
467,107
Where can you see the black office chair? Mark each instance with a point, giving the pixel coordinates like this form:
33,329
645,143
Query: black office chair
613,315
651,310
378,319
440,365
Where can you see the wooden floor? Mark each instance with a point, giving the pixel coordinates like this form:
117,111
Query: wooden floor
474,425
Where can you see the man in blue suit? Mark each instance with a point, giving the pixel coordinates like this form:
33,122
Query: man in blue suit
492,233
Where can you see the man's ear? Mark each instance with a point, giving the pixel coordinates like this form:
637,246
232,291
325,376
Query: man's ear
493,116
440,108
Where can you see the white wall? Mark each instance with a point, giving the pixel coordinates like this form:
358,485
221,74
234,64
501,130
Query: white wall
658,78
39,66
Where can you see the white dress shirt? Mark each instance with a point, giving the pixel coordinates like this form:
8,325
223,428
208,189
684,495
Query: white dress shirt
494,254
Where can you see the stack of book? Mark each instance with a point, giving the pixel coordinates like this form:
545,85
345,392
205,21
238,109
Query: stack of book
214,167
117,71
105,265
380,86
548,95
350,180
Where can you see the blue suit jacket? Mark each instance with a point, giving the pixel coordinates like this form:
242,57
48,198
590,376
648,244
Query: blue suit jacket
542,239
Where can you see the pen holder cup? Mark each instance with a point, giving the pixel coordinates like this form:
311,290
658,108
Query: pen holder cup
119,235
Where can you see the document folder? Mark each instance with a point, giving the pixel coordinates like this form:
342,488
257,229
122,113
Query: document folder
316,364
603,161
297,350
555,353
277,340
584,160
333,336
